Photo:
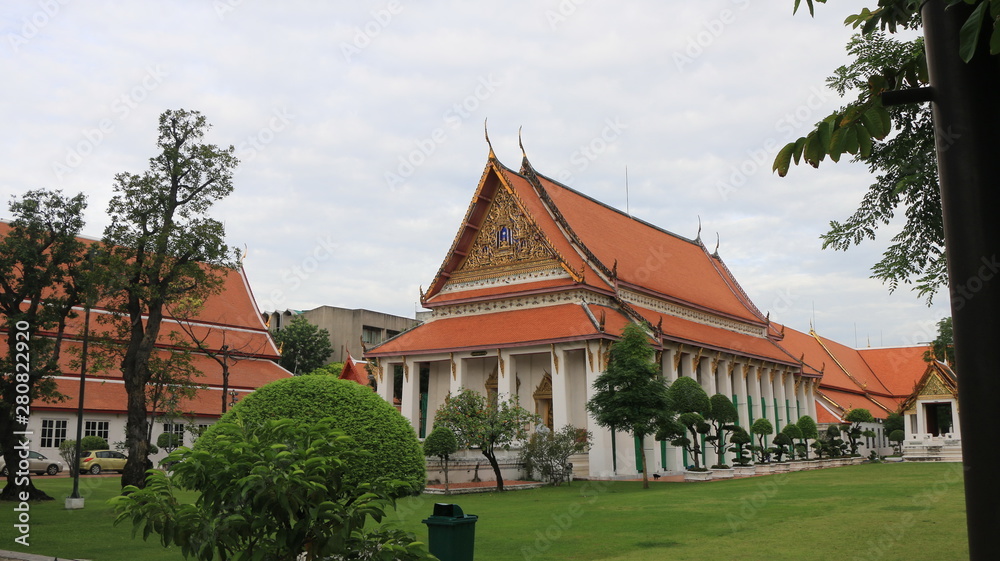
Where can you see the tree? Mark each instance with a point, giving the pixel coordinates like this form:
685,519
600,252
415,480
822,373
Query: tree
893,422
41,279
740,439
277,490
168,441
630,395
761,428
391,446
853,429
943,346
304,346
897,437
779,445
441,443
549,452
793,432
225,355
722,417
484,424
809,431
165,248
688,400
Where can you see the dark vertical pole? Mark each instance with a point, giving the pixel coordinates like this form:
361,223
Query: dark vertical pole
966,106
75,467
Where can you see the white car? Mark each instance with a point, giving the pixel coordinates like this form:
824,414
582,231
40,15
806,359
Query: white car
37,463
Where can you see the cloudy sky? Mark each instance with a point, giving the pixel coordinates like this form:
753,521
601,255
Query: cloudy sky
360,130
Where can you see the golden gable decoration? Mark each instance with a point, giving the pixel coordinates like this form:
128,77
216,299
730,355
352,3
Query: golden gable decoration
508,241
934,387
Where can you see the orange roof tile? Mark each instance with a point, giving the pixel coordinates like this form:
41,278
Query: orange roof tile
532,326
899,368
354,372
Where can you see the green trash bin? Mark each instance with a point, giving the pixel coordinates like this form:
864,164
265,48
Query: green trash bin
451,534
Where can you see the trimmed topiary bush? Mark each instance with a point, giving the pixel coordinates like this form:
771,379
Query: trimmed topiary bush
393,449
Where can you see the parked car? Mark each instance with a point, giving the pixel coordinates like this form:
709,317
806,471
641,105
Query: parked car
96,461
37,463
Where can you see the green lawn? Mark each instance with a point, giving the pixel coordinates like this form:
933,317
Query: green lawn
880,512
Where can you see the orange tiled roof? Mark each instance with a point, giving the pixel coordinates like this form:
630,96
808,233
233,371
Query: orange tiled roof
354,372
229,318
600,246
895,366
532,326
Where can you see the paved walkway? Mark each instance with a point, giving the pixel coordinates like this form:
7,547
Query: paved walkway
18,556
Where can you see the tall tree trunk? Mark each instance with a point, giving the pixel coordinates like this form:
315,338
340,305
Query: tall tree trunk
492,457
12,491
446,490
642,455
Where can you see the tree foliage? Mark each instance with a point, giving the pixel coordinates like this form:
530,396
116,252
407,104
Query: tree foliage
943,346
687,399
391,448
441,443
304,346
807,427
277,490
853,429
41,280
893,422
761,427
904,163
630,395
896,437
722,417
163,247
485,424
741,439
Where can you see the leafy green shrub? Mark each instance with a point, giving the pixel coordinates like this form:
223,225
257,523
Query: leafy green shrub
278,490
393,450
549,452
68,447
168,441
761,427
93,443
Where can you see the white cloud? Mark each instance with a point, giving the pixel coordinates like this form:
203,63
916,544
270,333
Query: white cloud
371,86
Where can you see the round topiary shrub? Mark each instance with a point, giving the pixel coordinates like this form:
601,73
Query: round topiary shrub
393,449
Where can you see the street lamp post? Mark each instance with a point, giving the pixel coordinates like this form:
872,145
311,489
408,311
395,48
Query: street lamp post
75,501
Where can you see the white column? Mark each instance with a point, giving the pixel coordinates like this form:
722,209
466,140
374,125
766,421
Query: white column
753,397
800,396
780,415
789,379
724,380
456,375
766,396
811,397
386,384
560,388
411,392
725,385
507,375
686,367
667,364
740,381
600,450
707,378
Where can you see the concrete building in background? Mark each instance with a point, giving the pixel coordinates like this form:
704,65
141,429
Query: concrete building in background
348,329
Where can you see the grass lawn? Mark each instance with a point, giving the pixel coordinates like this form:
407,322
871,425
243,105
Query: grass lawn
879,512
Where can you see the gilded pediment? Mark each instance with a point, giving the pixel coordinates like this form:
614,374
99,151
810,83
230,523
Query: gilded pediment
935,387
508,242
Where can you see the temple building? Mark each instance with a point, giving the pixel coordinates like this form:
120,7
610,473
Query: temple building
541,279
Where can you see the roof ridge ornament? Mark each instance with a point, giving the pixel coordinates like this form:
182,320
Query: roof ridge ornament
697,238
486,131
525,164
718,240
